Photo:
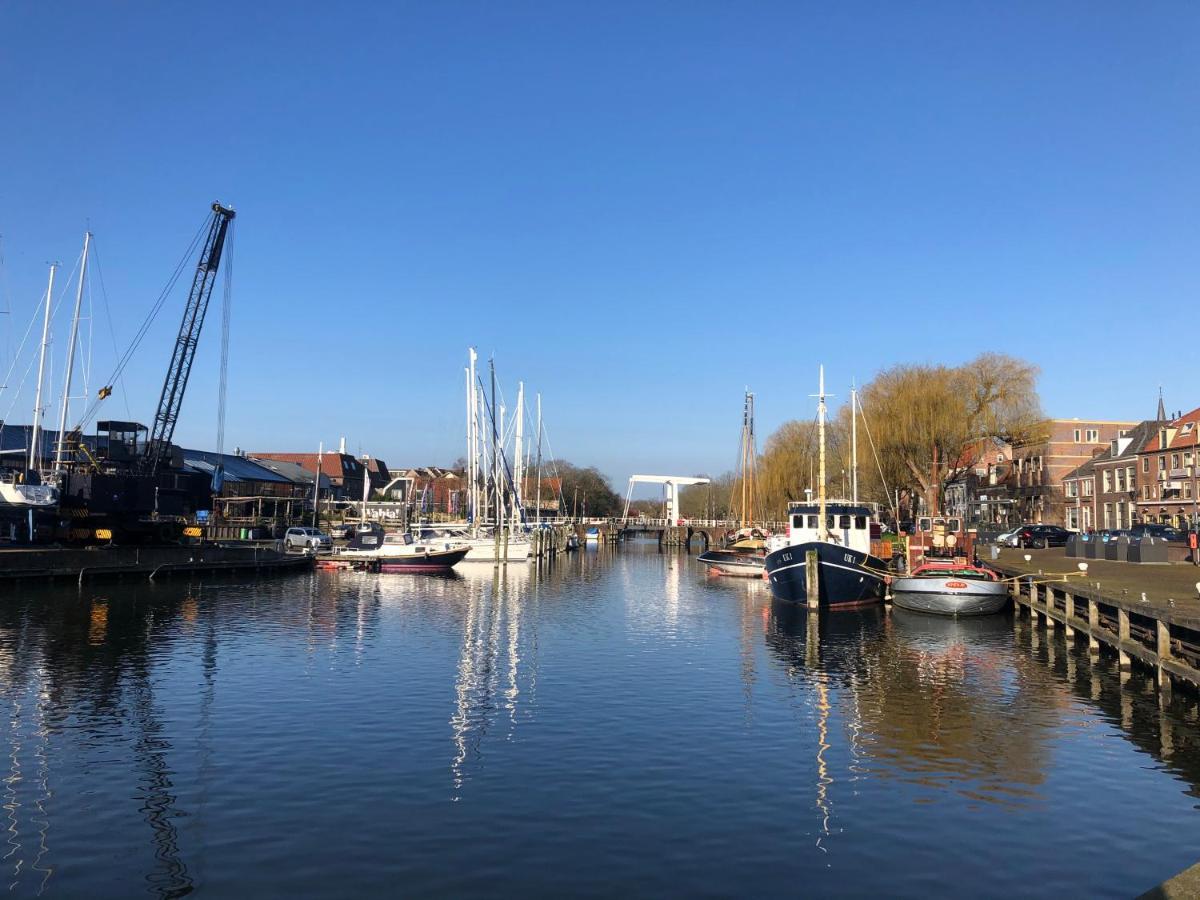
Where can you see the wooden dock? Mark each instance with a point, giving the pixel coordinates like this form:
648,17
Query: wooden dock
1147,613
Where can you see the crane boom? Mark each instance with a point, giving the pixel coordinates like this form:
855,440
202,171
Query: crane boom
159,443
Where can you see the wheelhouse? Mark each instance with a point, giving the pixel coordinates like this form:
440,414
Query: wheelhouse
848,524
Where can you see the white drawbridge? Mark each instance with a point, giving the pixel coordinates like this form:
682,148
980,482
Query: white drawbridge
671,485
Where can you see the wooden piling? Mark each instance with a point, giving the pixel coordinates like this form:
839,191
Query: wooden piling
813,579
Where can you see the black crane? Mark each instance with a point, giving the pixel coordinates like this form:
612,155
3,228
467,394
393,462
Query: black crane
158,446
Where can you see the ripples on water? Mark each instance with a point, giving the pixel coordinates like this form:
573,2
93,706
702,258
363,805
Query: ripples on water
616,723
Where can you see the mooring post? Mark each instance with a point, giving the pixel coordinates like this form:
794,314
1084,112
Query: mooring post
1122,637
1068,613
812,579
1093,624
1163,633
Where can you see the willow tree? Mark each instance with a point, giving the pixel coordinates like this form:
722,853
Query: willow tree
925,419
787,466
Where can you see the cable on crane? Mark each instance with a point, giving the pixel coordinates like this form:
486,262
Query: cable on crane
145,326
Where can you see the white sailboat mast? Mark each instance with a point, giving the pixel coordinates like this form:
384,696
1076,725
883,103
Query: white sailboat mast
35,439
472,442
366,460
66,397
539,458
854,444
824,530
519,463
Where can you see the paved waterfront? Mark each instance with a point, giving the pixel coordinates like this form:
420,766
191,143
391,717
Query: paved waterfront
1160,582
621,725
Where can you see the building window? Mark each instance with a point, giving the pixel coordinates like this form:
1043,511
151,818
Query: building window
1087,487
1162,463
1078,434
1187,490
1107,481
1145,464
1129,480
1174,460
1093,435
1108,515
1120,479
1120,515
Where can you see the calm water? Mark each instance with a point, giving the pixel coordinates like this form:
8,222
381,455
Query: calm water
619,725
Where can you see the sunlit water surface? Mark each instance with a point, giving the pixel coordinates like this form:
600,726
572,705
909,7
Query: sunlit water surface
617,724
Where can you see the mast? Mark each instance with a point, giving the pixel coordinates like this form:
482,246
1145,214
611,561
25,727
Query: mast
519,463
366,488
317,487
745,419
824,531
539,459
495,462
853,445
66,399
35,438
750,460
472,444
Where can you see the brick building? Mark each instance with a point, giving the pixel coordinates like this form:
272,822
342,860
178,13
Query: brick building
344,471
1167,486
1039,466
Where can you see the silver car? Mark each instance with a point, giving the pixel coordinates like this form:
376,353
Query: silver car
1009,538
307,539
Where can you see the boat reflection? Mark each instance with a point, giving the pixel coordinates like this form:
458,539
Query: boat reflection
496,682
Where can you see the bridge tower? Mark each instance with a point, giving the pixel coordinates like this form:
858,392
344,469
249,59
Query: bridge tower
671,485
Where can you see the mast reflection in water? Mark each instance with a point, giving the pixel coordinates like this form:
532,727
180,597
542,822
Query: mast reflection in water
614,722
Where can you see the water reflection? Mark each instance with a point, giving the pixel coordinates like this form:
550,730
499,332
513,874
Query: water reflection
135,740
499,644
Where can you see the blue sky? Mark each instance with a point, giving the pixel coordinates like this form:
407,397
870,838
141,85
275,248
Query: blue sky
639,208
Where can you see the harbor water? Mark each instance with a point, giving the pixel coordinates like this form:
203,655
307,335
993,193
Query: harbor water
614,723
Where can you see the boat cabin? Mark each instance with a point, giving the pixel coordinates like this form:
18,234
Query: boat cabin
848,524
939,537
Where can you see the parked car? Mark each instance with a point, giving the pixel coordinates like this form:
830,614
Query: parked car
1009,538
1114,534
307,539
1158,532
1043,536
342,532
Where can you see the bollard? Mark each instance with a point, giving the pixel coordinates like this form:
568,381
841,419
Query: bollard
1163,633
1068,613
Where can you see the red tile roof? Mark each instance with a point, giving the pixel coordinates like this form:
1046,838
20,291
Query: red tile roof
1183,438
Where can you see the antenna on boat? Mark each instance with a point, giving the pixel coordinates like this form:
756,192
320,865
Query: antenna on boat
821,499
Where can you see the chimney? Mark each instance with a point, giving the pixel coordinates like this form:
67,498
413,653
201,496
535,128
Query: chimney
342,445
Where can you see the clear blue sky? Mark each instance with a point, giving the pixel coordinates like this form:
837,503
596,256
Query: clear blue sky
640,208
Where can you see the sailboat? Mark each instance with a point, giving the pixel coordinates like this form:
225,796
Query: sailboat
838,532
506,543
28,491
745,552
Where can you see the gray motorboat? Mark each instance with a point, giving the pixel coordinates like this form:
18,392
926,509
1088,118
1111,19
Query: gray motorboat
950,589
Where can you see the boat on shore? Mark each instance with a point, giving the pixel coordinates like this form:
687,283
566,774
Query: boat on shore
950,589
838,533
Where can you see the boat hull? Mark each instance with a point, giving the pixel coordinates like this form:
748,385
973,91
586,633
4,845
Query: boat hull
485,551
738,565
949,595
847,577
434,561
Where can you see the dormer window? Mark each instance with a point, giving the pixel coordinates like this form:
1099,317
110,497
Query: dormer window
1162,439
